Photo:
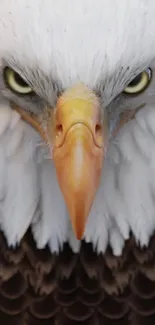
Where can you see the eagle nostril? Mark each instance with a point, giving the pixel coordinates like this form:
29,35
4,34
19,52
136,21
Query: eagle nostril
98,130
59,129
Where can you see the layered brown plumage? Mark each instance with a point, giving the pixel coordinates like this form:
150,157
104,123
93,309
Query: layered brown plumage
40,288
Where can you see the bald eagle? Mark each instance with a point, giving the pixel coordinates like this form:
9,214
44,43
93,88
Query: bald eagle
77,139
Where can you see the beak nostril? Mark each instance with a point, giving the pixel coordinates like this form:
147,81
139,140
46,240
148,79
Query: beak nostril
98,130
59,129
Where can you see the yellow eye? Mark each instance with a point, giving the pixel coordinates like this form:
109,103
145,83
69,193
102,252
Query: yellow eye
16,83
140,83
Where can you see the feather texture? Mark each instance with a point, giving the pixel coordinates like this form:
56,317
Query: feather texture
105,47
125,201
30,194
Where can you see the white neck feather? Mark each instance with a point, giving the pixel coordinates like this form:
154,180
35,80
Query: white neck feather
30,195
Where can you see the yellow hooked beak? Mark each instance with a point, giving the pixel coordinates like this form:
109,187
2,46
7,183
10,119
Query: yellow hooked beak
77,131
78,152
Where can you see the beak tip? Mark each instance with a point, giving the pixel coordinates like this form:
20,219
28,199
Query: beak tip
78,234
78,224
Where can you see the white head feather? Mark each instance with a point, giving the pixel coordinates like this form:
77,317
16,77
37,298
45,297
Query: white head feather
103,44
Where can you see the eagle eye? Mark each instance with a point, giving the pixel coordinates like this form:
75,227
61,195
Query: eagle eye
139,83
16,83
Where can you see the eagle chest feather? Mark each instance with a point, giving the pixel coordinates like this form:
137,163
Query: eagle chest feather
38,287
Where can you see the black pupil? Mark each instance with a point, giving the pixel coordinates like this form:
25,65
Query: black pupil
135,81
19,80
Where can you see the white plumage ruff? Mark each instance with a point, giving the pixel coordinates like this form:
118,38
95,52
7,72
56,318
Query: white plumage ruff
98,43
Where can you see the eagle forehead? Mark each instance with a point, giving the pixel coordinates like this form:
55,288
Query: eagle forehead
94,44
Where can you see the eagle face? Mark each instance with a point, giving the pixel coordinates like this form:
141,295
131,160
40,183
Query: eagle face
70,70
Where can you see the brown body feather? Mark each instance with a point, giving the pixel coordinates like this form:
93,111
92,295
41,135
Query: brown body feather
38,288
